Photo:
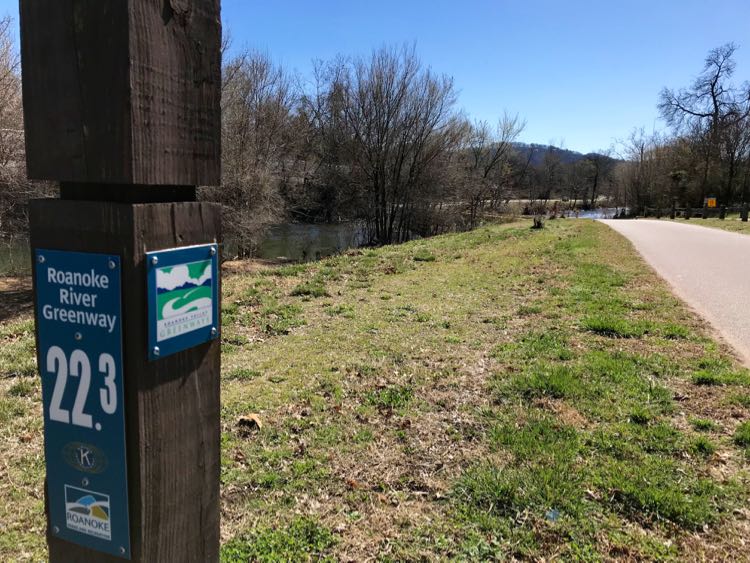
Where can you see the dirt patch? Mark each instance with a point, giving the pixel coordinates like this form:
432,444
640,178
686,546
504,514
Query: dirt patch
564,412
729,542
16,297
250,266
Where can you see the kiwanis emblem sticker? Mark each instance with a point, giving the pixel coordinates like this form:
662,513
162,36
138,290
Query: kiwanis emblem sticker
85,457
184,299
87,512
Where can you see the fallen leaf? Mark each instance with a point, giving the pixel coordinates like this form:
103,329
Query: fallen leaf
249,423
356,485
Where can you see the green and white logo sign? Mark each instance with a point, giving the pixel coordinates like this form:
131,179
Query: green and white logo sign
183,298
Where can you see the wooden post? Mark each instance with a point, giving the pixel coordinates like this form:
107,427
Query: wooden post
122,107
743,213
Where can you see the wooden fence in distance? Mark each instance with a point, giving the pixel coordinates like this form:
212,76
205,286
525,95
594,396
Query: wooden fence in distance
720,212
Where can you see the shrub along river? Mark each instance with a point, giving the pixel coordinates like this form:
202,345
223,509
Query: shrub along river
290,241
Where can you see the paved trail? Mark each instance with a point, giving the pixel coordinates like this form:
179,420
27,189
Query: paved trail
708,268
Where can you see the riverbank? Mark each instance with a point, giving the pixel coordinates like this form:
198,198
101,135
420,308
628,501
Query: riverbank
498,393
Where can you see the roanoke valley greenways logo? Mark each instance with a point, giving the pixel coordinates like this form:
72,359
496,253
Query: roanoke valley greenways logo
184,299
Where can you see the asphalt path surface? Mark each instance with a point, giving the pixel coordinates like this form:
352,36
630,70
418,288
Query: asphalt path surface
707,268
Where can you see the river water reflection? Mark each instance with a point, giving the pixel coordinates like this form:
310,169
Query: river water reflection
292,241
300,241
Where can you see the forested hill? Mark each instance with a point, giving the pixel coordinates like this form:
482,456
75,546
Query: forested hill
538,153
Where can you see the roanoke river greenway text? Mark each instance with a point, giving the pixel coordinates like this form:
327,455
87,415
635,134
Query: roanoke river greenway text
72,295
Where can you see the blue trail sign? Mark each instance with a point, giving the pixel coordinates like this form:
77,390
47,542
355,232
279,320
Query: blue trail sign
183,298
79,323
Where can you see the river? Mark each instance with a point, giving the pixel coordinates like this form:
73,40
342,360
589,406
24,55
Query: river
290,241
303,242
598,213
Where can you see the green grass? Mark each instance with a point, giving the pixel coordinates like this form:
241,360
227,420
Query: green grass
302,539
17,355
654,490
424,255
313,288
390,398
280,318
23,388
742,435
346,311
732,223
614,327
242,374
494,395
705,378
704,425
703,446
292,270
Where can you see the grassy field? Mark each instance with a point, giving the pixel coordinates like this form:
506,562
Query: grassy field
731,223
505,393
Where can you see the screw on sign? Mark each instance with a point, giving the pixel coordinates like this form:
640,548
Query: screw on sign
132,429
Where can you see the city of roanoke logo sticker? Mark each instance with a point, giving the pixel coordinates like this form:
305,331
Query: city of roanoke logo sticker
184,299
87,512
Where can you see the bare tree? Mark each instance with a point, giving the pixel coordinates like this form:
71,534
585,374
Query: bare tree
600,168
488,166
15,189
402,124
327,192
257,155
708,112
576,181
655,171
549,174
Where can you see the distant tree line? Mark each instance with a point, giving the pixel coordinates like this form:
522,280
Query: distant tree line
381,140
378,139
707,153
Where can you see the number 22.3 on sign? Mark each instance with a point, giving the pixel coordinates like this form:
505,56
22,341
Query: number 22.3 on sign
79,366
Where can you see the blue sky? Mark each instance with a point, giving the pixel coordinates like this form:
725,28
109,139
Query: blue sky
582,73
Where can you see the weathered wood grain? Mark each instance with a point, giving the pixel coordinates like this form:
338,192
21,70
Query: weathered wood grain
75,89
122,91
175,76
172,405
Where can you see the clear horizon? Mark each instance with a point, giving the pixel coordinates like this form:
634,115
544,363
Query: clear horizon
581,74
